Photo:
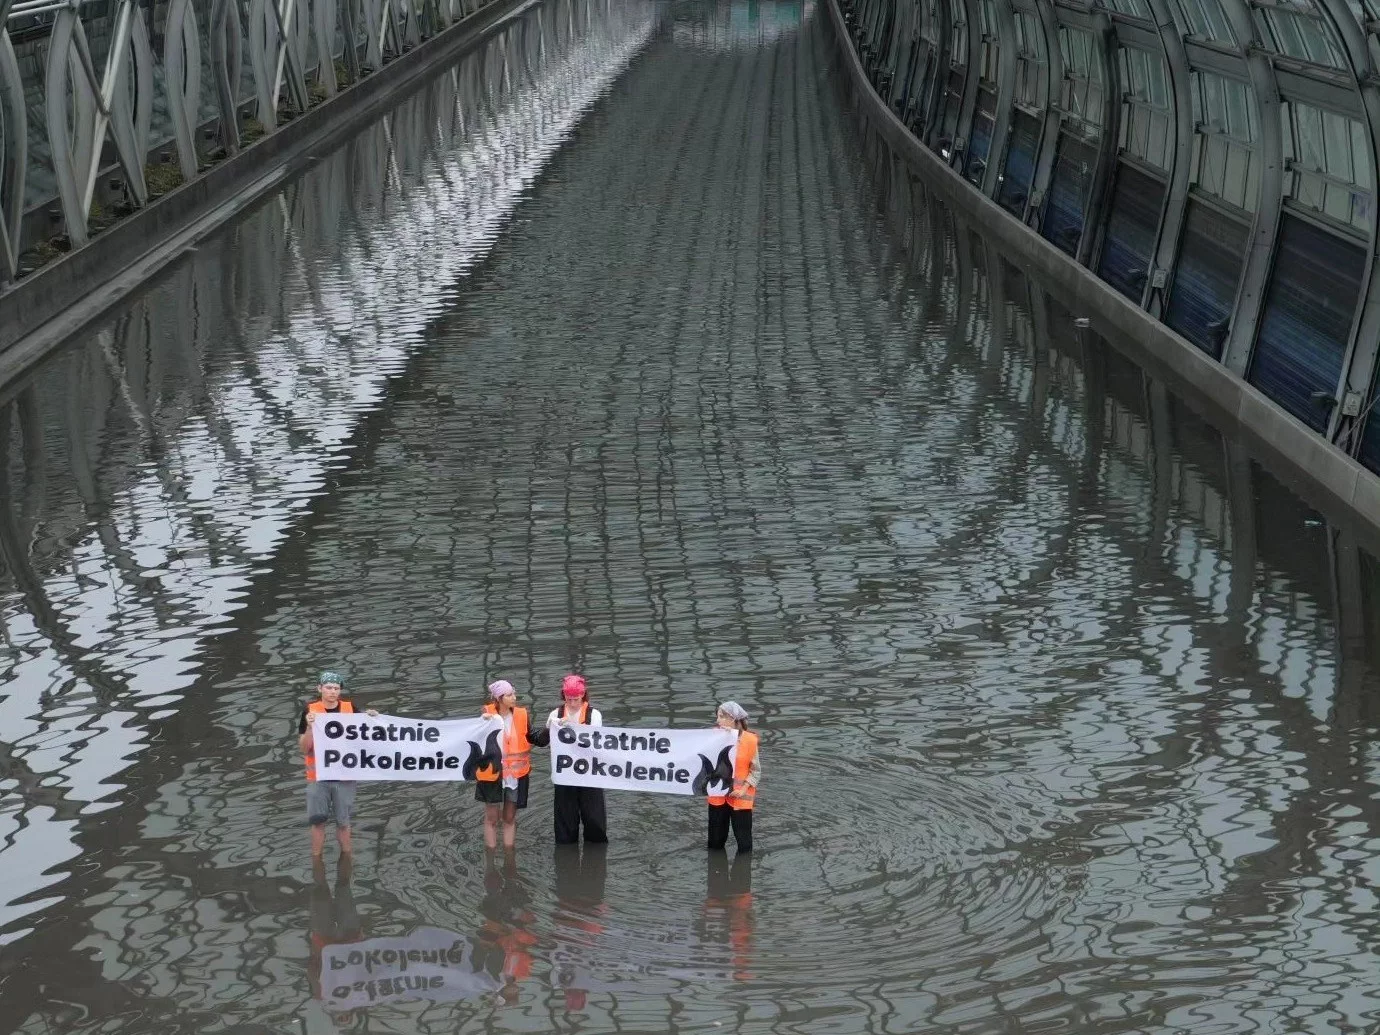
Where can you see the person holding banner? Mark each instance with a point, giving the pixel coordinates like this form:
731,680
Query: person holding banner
503,793
326,798
574,805
735,808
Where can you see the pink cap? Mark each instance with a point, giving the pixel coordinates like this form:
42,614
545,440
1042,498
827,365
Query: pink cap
573,686
501,688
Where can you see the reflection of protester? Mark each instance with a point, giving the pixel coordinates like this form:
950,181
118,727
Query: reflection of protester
334,919
506,792
574,805
506,938
735,808
729,902
326,798
580,883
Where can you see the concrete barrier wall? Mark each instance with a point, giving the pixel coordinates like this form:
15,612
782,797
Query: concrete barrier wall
60,299
1320,471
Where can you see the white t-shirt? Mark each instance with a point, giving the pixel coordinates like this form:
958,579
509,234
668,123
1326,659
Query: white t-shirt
508,781
595,719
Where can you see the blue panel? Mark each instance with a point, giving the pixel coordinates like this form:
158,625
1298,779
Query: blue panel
1062,224
1312,297
1370,439
1131,231
1206,276
1020,163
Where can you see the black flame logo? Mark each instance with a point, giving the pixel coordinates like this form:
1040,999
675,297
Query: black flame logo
490,761
718,775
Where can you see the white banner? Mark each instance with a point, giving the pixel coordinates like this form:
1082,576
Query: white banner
386,747
663,761
427,964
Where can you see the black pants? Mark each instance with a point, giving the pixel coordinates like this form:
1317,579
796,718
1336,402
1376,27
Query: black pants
721,817
580,804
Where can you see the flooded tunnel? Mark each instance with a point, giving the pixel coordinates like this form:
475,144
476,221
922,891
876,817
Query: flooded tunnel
621,348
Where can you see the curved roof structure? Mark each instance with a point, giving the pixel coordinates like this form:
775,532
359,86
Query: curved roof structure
1212,160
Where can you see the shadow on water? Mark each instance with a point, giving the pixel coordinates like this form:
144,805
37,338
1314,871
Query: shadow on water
624,352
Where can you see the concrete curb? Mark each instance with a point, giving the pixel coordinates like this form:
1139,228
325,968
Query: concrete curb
1318,470
61,299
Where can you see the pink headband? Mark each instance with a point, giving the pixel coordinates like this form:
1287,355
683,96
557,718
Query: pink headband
501,688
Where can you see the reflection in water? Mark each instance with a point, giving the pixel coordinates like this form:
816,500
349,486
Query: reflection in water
506,939
335,925
728,910
1069,703
578,923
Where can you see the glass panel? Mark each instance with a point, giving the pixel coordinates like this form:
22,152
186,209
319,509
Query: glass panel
1159,141
1302,36
1237,109
1337,145
1194,18
1309,190
1331,162
1234,182
1284,33
1215,164
1159,82
1218,22
1308,136
1206,18
1215,103
1337,202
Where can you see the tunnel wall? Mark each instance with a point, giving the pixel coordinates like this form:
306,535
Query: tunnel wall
1196,176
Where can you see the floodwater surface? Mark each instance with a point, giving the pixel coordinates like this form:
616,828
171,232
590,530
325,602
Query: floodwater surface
619,349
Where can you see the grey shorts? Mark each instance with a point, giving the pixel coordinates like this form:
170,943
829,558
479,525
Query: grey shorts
327,798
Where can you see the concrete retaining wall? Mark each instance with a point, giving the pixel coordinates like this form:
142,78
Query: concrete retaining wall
63,297
1318,470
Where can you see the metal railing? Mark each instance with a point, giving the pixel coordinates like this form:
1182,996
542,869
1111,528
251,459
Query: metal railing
98,109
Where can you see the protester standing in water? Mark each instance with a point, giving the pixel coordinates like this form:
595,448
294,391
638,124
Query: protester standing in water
735,808
326,798
574,805
505,792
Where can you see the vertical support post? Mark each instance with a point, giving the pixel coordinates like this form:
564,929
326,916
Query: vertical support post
1163,255
1255,271
1006,95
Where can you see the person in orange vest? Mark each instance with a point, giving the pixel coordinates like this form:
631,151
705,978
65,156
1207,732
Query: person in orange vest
574,805
735,808
326,798
503,793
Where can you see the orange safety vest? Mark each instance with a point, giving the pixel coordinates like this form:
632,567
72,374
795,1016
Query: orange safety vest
743,794
583,720
517,752
346,708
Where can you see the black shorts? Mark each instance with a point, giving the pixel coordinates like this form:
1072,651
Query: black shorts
492,792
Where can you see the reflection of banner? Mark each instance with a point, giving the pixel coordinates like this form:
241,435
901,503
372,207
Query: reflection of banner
385,747
427,964
665,761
